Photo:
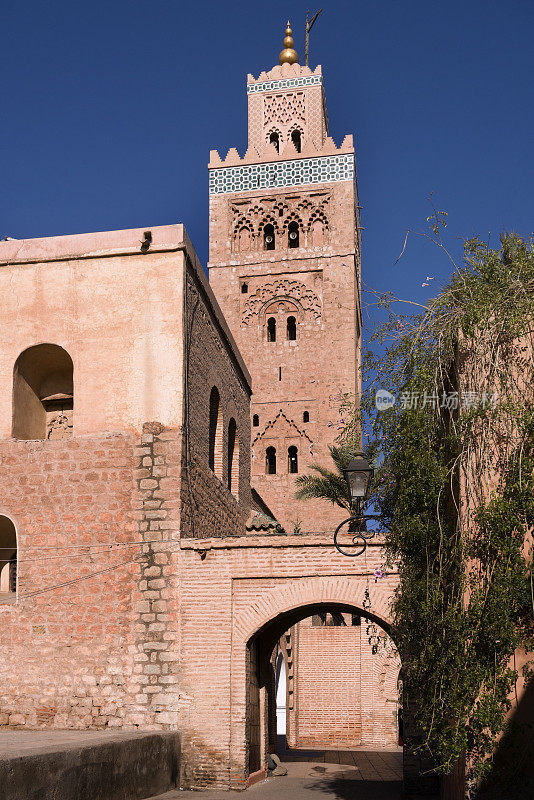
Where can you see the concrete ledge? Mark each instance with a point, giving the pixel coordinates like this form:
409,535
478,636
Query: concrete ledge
85,765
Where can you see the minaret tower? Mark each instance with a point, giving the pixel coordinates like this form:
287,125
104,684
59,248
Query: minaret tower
285,267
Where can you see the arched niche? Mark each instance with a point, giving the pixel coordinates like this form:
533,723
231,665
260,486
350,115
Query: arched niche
233,458
43,393
215,455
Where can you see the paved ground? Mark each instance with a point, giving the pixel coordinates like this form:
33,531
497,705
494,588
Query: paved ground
312,774
322,775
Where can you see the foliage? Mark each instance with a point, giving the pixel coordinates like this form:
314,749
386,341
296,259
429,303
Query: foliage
455,491
457,494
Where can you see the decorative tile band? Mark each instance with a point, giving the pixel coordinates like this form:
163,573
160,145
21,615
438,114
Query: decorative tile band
290,83
324,169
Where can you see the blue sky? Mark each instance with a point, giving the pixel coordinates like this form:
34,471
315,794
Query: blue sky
110,110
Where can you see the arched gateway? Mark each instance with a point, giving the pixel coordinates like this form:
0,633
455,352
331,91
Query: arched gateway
259,625
239,597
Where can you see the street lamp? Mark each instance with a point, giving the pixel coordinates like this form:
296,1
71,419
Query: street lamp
358,474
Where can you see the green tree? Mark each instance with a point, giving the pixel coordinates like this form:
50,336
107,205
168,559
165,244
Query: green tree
455,490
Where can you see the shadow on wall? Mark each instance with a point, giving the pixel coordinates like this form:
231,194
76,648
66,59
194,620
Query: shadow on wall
512,773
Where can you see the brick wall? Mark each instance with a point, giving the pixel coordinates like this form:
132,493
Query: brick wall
66,652
312,373
344,695
231,590
208,508
155,678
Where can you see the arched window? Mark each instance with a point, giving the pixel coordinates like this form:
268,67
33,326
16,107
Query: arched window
296,138
270,461
274,138
8,558
233,458
306,416
215,433
291,328
292,459
255,421
43,393
268,237
271,329
244,288
293,234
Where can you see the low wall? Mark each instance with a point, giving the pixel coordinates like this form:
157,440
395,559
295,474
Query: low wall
104,767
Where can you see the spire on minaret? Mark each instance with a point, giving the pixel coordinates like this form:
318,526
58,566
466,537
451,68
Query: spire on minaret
288,54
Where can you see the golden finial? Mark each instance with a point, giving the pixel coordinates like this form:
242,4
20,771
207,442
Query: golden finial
288,54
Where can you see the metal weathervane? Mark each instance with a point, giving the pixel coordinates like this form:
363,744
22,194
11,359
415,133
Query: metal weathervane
309,26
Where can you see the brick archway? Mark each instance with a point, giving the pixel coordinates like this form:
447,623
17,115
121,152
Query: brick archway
274,608
299,592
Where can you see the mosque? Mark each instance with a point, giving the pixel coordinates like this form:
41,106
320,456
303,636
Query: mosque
156,571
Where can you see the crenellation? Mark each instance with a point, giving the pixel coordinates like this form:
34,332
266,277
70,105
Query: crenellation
268,153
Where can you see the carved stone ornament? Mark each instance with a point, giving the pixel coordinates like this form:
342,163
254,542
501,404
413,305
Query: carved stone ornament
285,288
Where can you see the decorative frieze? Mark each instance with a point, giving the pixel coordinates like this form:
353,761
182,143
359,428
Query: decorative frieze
289,83
296,172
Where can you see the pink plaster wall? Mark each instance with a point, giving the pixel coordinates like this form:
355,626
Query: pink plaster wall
116,310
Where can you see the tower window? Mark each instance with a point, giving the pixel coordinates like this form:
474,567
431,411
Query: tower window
306,416
270,461
268,237
255,421
274,138
244,288
271,329
279,373
296,138
293,234
291,329
292,460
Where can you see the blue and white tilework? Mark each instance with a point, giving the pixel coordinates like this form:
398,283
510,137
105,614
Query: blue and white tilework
324,169
289,83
